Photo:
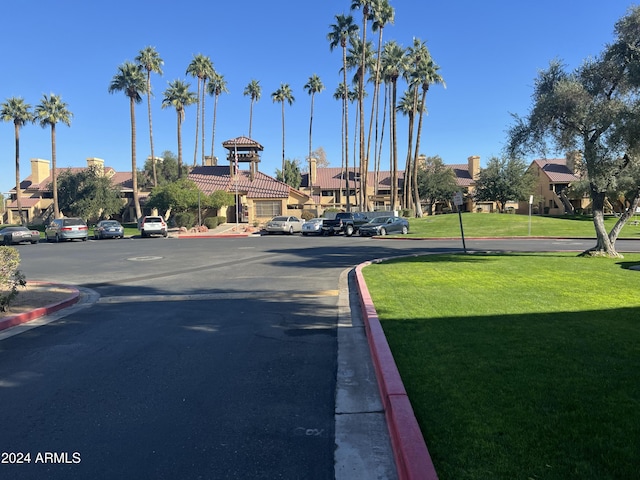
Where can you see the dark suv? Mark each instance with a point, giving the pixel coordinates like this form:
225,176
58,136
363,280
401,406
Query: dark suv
66,229
152,225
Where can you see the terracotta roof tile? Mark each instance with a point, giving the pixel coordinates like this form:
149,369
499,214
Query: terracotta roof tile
212,178
556,170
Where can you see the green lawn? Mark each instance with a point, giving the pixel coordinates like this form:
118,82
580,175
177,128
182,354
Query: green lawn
522,366
495,224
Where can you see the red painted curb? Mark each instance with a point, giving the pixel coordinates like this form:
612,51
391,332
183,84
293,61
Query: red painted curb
412,458
21,318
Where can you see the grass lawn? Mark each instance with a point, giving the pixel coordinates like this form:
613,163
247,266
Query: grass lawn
522,366
497,225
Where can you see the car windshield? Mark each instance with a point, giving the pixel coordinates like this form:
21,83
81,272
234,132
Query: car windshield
315,220
279,219
379,220
152,220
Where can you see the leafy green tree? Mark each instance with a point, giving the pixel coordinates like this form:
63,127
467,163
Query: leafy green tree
49,112
282,95
292,175
131,81
88,194
149,60
314,85
504,180
201,67
217,86
219,199
178,96
254,91
594,110
340,32
17,111
436,182
179,196
166,169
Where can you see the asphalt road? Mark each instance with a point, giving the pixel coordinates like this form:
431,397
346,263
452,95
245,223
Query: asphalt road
190,359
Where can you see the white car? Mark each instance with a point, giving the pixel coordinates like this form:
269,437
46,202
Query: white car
312,227
152,225
284,224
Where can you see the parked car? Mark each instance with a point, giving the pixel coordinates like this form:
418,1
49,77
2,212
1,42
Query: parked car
312,227
384,225
344,222
152,225
108,229
284,224
11,235
66,229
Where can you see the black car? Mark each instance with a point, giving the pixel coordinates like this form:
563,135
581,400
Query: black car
11,235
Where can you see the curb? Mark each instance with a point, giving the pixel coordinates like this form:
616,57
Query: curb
413,461
21,318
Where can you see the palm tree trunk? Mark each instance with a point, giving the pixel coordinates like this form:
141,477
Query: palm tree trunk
134,168
18,201
204,91
407,169
213,128
179,115
195,152
346,124
416,194
153,156
54,173
379,151
394,156
283,176
374,110
250,116
310,131
363,161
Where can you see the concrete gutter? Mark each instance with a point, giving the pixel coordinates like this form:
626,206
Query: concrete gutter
409,448
24,317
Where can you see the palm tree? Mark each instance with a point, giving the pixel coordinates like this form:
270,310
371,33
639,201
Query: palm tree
425,74
253,90
283,94
131,81
149,60
364,5
314,85
381,14
201,68
17,111
50,111
217,86
407,107
392,67
340,32
179,96
339,94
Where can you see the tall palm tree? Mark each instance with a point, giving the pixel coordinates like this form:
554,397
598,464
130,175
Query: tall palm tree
282,95
407,107
253,90
50,111
15,110
392,67
339,94
130,80
364,5
217,86
178,96
149,60
201,68
339,34
425,75
381,13
314,85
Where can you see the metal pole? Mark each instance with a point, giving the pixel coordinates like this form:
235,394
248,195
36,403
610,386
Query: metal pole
464,246
235,179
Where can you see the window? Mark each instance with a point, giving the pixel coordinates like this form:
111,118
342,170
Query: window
268,208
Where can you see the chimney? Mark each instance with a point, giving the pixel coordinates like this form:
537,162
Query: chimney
573,162
313,172
474,166
98,163
40,170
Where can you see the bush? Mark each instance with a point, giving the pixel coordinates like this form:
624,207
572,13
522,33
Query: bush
307,215
211,222
408,213
221,220
10,277
184,219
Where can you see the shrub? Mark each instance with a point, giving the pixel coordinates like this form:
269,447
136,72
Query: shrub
10,277
408,213
307,215
221,220
184,219
211,222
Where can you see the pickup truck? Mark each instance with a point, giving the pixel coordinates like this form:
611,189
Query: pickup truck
344,222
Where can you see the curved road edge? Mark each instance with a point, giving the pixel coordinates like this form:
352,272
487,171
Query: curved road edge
412,457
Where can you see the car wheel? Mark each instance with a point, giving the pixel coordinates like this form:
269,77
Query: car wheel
348,230
304,234
383,231
405,230
7,241
84,239
290,230
57,238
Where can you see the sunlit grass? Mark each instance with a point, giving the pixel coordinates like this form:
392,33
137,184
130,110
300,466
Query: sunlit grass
518,366
509,225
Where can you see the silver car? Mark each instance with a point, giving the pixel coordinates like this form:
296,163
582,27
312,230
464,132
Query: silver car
284,224
312,227
61,229
11,235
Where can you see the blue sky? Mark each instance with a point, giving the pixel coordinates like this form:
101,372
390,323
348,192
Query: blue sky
489,54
